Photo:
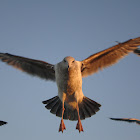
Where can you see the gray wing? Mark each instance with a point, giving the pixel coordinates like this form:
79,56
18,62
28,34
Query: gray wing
127,120
108,57
2,123
33,67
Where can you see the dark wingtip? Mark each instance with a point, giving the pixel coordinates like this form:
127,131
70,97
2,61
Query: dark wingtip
5,122
2,123
43,102
137,51
111,118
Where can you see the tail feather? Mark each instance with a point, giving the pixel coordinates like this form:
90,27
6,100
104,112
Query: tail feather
50,100
59,110
81,111
55,107
51,104
66,115
86,113
94,105
87,108
72,115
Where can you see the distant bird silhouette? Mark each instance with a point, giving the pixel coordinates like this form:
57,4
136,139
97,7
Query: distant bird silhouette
2,123
71,103
130,120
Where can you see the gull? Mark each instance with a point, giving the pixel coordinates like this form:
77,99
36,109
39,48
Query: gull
70,103
130,120
2,123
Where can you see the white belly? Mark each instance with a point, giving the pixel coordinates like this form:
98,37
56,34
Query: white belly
69,87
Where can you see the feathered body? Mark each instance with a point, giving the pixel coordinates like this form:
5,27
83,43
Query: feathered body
69,83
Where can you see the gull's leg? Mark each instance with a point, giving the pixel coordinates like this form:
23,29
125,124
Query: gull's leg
79,124
62,125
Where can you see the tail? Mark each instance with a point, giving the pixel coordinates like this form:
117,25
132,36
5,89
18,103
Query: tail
87,108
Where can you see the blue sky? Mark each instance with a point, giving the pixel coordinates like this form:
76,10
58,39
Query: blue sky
49,30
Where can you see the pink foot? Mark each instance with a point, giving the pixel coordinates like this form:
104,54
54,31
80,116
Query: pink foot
79,126
62,126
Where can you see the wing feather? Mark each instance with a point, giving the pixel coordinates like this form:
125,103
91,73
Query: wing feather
108,57
33,67
130,120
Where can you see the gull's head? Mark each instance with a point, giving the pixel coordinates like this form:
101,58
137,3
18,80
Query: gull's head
68,62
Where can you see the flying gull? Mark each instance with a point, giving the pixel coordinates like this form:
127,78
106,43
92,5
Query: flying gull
130,120
2,123
70,103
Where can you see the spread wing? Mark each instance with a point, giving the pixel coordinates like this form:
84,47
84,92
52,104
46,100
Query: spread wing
109,56
2,123
33,67
127,120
